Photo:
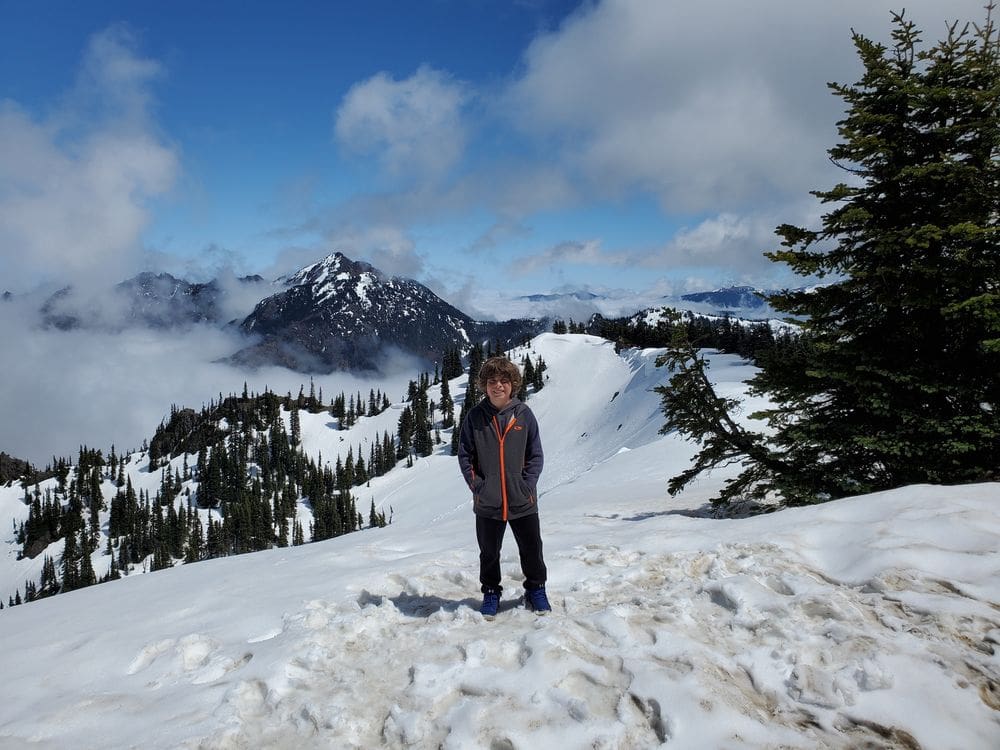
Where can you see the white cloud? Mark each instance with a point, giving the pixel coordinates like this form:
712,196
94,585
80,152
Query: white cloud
587,252
114,81
708,108
726,238
75,186
388,248
497,234
415,126
728,248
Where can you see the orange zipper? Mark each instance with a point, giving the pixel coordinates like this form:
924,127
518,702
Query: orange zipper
503,471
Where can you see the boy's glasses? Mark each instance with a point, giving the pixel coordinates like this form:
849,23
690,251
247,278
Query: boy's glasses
493,382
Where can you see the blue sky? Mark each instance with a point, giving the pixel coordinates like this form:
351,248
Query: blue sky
517,146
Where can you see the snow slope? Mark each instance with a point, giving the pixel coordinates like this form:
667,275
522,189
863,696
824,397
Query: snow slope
870,621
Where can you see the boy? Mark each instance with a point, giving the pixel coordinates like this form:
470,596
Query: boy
500,455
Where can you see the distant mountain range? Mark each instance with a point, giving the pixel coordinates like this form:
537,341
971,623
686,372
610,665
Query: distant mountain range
336,314
581,296
731,298
736,301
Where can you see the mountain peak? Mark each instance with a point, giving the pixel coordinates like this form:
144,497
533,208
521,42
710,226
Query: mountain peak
335,276
330,267
342,313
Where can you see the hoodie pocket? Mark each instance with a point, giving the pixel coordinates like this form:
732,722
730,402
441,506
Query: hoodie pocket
488,495
523,498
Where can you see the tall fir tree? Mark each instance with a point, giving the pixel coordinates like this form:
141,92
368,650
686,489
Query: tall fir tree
896,381
447,405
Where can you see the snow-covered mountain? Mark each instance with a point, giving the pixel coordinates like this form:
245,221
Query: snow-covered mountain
655,315
345,314
865,622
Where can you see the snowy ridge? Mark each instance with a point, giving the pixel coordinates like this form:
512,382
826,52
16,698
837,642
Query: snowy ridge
870,621
655,315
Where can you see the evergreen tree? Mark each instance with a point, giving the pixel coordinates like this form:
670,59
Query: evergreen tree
360,469
527,377
283,531
375,519
451,364
351,414
447,405
472,392
338,410
87,575
195,539
423,444
895,382
406,428
70,568
538,380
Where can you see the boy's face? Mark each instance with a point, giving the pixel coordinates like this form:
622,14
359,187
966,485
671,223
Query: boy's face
498,391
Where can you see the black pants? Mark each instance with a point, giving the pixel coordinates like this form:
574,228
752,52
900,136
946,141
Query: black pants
528,536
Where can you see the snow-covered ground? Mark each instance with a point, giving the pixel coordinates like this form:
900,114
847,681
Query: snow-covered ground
866,622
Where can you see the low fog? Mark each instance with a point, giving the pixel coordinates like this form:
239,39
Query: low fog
64,389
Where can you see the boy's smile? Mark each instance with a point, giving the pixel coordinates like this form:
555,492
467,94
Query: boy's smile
498,391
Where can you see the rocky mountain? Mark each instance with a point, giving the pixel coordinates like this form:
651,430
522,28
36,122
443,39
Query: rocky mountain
731,298
345,314
155,300
161,300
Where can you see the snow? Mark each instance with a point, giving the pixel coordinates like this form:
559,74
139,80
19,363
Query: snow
322,276
365,282
870,621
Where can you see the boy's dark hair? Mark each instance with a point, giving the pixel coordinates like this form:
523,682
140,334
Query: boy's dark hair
500,367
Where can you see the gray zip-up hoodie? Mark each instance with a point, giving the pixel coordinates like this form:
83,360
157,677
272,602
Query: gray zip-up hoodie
500,454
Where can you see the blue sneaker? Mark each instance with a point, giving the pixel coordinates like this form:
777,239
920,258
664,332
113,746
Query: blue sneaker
491,603
537,601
